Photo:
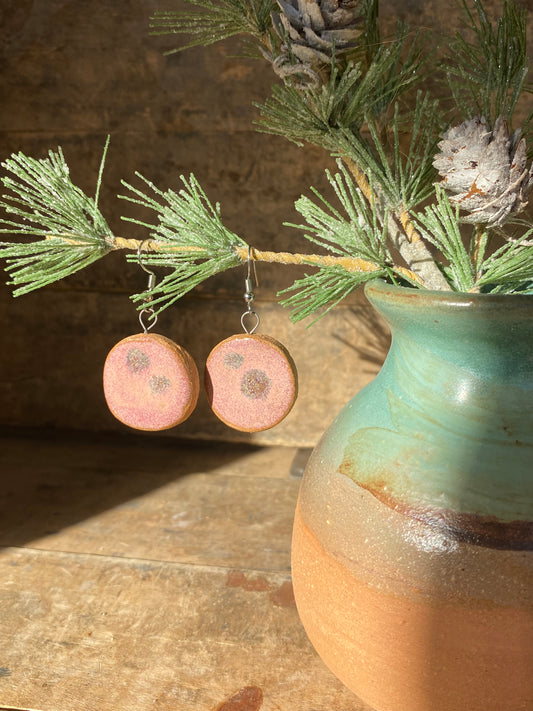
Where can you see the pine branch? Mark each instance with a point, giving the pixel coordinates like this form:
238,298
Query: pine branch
390,204
215,20
186,217
189,236
188,226
46,203
440,225
332,116
191,239
355,232
478,248
510,268
322,290
487,76
315,114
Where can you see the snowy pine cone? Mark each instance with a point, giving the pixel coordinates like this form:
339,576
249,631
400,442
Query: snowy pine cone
311,30
485,171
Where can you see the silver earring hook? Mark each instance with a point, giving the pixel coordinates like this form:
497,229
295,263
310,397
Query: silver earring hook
151,276
250,262
248,286
147,310
250,319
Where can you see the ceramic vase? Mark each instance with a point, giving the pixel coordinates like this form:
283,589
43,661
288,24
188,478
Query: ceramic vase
412,555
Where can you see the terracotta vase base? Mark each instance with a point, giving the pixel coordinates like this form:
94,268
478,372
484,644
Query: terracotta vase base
388,648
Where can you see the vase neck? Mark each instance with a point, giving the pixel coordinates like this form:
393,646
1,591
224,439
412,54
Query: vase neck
488,336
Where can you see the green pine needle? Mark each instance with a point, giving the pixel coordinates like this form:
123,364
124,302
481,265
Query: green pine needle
199,245
510,268
215,20
185,218
440,225
185,276
355,232
45,203
302,115
37,264
414,173
352,94
322,291
487,76
396,68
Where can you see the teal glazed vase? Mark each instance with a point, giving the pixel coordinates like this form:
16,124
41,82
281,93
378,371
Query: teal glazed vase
412,554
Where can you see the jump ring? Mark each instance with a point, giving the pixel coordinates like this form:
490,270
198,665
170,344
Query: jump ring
152,318
246,316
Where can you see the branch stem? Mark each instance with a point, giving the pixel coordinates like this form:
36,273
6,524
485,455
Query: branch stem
349,264
407,240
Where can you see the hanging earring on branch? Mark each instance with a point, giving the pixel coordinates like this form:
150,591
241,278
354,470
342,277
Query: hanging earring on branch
251,381
150,383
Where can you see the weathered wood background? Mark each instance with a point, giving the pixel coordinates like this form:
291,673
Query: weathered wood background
140,572
73,72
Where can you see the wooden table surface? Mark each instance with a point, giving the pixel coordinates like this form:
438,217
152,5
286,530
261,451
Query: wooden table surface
142,573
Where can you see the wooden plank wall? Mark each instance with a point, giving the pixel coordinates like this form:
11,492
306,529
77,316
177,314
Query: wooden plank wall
74,72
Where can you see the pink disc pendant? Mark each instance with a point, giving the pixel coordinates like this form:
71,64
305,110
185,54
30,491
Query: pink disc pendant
150,383
251,382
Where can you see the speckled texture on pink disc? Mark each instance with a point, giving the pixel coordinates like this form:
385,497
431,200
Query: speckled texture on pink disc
150,383
251,382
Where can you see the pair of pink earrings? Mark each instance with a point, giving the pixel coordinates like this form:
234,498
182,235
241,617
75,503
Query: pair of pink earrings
151,383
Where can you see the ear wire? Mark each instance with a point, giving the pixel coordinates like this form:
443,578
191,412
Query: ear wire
248,286
249,295
152,279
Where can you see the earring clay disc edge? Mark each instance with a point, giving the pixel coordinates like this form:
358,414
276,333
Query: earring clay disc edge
150,383
251,382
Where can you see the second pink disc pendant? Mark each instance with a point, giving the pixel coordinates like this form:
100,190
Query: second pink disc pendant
251,381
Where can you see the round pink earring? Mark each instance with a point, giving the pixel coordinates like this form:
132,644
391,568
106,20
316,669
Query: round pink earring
150,383
251,381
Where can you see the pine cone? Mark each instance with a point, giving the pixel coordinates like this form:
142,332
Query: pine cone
485,170
311,30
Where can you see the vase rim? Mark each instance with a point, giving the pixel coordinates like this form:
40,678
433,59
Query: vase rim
408,294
